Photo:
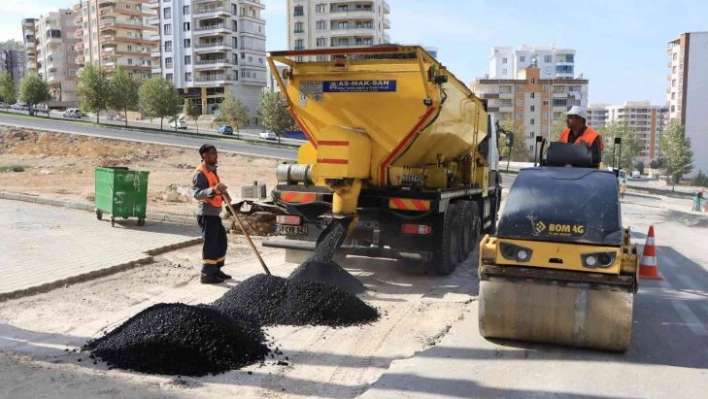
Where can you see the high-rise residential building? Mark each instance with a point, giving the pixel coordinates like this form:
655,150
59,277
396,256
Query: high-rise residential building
114,33
56,57
647,120
531,101
12,61
330,23
30,41
212,50
687,94
597,116
552,62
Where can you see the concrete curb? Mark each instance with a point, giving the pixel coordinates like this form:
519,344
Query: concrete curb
75,279
87,206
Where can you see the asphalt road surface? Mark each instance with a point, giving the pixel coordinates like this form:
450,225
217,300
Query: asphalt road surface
166,138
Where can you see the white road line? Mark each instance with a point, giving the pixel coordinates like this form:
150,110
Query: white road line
688,317
691,284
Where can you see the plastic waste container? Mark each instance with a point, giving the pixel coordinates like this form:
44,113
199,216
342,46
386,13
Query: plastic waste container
121,192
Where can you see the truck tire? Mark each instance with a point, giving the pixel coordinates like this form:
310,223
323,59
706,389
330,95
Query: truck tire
470,228
446,250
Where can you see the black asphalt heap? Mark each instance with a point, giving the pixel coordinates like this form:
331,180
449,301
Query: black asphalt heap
321,267
178,339
275,300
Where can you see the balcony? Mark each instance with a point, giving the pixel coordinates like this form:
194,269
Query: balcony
352,13
253,81
212,64
386,38
78,34
213,79
156,54
79,47
211,47
386,8
78,19
351,31
386,23
154,21
80,59
211,30
212,11
254,3
76,7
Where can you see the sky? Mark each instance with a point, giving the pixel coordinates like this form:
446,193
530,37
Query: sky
620,44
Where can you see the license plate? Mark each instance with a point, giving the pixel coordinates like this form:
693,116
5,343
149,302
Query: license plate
293,230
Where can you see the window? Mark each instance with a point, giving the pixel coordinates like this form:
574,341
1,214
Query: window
187,43
533,95
185,10
560,102
522,58
533,81
298,11
504,71
234,25
568,69
168,46
531,134
186,27
532,108
167,13
673,95
168,76
187,60
545,103
532,122
321,25
167,29
298,28
234,42
547,58
130,61
321,42
168,62
299,44
519,116
187,76
519,89
320,8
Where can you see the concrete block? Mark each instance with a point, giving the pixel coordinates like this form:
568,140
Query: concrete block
248,192
180,219
12,196
160,217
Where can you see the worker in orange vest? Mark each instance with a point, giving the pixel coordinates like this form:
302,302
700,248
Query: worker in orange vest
207,190
578,131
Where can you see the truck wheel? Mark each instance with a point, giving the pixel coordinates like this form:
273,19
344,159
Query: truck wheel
470,228
447,243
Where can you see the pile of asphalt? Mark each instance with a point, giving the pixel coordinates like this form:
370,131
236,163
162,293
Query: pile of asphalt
278,301
178,339
320,266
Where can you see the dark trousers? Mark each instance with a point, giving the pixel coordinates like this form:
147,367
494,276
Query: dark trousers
214,250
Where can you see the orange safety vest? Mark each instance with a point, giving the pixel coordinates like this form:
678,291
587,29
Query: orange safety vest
588,137
213,179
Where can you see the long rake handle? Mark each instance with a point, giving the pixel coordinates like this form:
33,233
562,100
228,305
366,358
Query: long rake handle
227,198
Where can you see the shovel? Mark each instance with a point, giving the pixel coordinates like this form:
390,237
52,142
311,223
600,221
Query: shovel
227,198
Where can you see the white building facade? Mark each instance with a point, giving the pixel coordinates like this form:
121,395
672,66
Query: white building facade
330,23
211,50
553,63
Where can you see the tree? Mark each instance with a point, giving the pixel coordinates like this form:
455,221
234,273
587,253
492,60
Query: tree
8,94
234,113
520,147
93,89
676,153
159,99
273,113
557,128
631,145
33,90
194,111
123,93
700,180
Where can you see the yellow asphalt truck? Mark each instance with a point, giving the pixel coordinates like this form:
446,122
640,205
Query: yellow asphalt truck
397,147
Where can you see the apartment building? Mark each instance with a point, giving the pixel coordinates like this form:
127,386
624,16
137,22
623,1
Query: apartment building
115,33
687,92
597,116
30,41
12,61
56,57
323,23
212,50
552,62
531,101
647,120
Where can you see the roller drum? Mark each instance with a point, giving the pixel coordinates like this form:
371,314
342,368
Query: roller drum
294,173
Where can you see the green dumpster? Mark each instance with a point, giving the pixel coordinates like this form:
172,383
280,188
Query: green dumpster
121,192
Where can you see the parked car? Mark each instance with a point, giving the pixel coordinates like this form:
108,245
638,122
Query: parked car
268,135
20,106
179,124
72,113
225,129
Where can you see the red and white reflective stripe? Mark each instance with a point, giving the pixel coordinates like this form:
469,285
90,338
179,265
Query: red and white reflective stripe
650,241
419,229
291,220
648,260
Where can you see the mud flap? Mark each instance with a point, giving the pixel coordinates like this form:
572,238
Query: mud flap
573,315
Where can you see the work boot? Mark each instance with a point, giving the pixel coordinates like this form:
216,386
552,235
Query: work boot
215,279
222,275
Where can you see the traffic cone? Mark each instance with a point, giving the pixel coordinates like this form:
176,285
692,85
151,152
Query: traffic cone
648,270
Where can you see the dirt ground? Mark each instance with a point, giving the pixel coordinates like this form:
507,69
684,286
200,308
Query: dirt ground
61,166
39,334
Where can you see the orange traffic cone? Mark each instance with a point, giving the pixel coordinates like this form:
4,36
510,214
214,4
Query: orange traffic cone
648,269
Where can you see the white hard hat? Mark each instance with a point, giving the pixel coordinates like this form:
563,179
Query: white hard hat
578,111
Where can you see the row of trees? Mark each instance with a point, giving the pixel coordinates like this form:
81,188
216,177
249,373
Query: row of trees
676,156
157,98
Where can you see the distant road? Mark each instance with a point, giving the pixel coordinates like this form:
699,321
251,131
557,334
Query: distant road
166,138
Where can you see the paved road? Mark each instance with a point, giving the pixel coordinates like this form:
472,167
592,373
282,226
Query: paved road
223,144
668,357
44,244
